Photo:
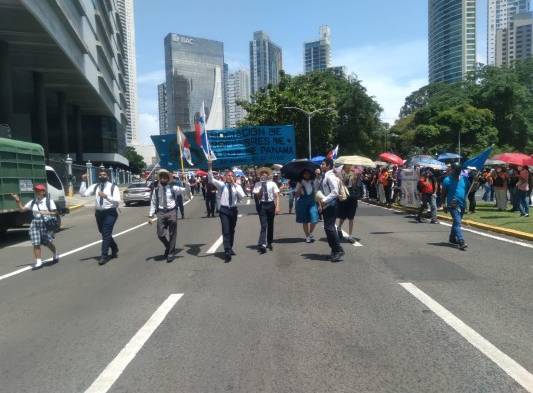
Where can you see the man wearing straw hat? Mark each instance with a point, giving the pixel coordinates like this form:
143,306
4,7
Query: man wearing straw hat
267,192
164,204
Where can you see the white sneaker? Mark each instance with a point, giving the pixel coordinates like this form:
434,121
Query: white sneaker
308,239
38,264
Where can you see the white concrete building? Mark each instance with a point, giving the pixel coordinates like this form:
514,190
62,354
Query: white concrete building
516,41
237,89
163,108
499,15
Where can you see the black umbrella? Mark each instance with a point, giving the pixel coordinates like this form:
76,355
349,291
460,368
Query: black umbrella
293,170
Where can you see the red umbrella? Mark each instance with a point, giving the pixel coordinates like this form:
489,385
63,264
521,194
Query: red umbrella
392,158
201,173
515,158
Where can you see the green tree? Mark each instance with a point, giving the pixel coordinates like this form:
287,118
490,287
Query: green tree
137,164
351,124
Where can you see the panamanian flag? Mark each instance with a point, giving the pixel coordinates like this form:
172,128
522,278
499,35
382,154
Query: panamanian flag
185,146
201,134
332,155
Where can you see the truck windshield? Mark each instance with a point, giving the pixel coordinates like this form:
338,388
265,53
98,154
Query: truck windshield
53,180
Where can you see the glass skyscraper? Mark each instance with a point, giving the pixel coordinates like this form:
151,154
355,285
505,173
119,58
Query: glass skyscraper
265,62
194,74
452,39
317,54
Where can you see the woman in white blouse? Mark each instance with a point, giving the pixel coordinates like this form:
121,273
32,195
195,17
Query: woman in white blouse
306,208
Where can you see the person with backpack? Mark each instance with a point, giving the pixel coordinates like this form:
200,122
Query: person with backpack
164,204
427,188
348,207
43,225
454,192
107,200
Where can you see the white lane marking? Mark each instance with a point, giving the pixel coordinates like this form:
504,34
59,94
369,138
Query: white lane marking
522,376
239,215
16,272
117,366
248,201
356,243
517,242
215,246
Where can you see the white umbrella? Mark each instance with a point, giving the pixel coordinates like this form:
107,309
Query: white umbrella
355,161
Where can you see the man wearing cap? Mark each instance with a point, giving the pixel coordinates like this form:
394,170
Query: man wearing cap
230,193
107,198
164,204
267,193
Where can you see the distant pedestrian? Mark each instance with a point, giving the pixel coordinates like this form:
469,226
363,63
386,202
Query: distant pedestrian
427,187
267,192
83,184
230,193
306,207
522,189
107,198
328,199
346,209
500,188
164,204
43,224
487,182
180,196
454,191
210,199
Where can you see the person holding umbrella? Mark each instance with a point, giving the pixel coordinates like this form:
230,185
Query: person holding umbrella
306,207
267,192
44,211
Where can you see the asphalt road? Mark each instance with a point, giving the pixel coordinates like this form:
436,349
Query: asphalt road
287,321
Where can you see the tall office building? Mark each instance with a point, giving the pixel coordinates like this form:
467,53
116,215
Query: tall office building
500,13
237,89
127,22
194,74
515,42
265,62
62,77
317,54
452,39
163,108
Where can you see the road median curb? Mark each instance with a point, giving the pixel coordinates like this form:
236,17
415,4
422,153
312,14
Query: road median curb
474,224
75,207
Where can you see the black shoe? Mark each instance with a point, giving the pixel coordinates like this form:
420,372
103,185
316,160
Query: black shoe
337,257
170,257
453,241
270,247
114,253
55,260
227,257
462,246
232,252
103,260
262,249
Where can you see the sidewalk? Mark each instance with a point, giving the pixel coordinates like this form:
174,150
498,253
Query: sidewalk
76,201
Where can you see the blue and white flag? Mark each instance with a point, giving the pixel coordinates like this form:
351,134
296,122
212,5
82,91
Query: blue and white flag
478,162
201,135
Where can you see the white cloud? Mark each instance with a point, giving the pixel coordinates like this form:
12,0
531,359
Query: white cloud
148,125
389,71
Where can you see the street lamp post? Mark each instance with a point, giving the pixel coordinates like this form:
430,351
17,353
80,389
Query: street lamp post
309,117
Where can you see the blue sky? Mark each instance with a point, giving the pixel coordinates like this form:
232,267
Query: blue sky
384,42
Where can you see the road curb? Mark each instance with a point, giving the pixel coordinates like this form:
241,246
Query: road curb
75,207
470,223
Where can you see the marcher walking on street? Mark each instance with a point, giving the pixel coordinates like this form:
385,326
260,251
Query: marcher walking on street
210,199
42,225
179,199
164,204
346,209
328,199
230,193
427,187
454,190
267,192
306,207
107,198
523,190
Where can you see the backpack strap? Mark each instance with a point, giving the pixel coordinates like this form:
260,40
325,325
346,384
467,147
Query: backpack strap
48,202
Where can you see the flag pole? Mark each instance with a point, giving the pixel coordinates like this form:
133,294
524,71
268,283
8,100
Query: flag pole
178,138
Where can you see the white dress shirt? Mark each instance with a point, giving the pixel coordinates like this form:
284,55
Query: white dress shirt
171,192
330,187
114,198
272,191
39,206
309,185
236,191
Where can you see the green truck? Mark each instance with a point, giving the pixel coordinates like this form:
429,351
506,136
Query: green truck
22,165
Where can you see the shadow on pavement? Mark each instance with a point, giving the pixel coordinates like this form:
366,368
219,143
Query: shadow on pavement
443,244
316,257
194,249
289,240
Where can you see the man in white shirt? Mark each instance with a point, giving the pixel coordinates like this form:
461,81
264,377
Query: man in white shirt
164,203
267,193
230,193
329,187
107,199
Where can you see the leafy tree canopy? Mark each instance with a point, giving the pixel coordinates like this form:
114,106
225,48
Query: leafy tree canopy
137,164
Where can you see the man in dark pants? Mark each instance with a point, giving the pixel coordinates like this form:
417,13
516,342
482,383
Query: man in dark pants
267,193
210,199
164,204
329,194
179,198
107,198
230,194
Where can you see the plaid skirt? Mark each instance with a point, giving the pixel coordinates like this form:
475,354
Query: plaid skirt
38,233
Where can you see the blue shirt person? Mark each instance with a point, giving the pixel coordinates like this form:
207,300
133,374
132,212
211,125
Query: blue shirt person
454,191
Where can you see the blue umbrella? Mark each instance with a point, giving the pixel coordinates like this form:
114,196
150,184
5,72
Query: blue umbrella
318,159
448,157
425,161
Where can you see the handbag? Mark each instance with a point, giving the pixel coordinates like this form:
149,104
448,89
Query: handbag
51,223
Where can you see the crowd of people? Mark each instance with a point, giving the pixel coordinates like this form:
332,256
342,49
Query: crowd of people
327,194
